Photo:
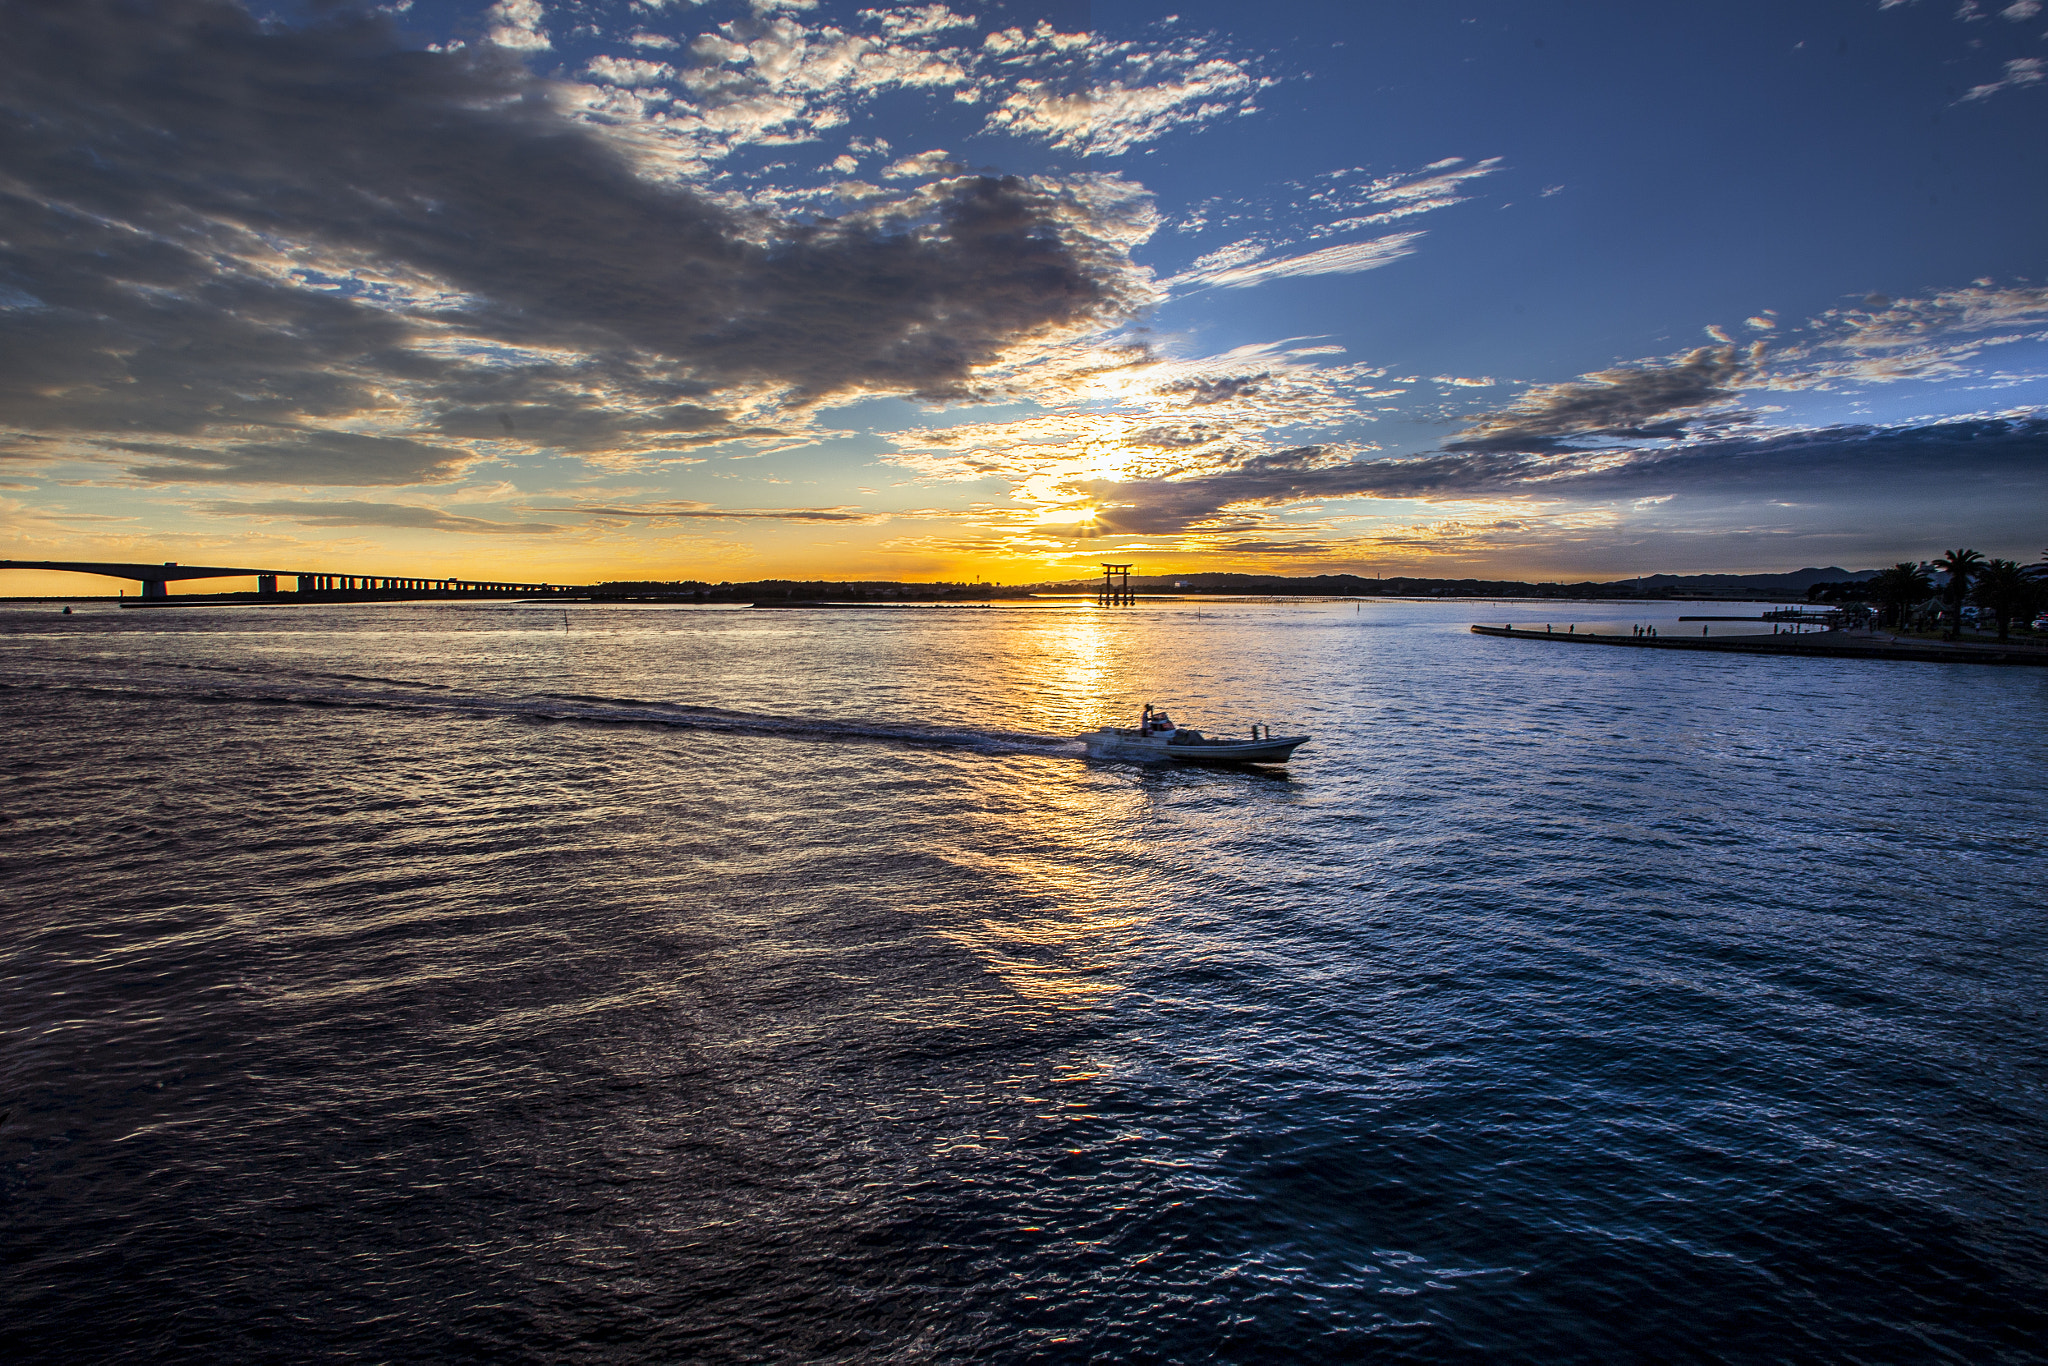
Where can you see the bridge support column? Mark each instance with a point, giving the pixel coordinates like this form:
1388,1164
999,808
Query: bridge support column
155,588
266,583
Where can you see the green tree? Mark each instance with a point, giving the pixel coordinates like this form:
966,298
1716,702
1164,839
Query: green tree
2008,591
1898,588
1961,566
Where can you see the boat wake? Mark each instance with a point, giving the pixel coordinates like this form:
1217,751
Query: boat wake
257,686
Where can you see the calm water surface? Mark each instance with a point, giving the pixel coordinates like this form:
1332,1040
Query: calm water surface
536,984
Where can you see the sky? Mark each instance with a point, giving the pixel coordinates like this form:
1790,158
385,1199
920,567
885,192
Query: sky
586,290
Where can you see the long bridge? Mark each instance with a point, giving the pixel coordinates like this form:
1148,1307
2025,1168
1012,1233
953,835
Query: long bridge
307,587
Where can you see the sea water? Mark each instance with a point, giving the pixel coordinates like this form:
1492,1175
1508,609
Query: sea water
537,983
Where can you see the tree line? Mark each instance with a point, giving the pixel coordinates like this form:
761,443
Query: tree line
2008,590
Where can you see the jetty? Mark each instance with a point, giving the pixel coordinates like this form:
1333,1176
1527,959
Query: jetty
1813,644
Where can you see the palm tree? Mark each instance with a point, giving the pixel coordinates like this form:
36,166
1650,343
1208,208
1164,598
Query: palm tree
2005,587
1961,566
1899,587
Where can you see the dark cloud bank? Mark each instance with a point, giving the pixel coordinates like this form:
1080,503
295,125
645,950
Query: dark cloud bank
2002,461
160,155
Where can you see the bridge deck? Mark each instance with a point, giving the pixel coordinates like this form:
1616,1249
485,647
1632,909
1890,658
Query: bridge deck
307,583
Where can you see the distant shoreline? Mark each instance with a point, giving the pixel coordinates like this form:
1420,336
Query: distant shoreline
1006,598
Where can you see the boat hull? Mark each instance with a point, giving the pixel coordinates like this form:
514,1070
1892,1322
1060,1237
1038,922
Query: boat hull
1111,745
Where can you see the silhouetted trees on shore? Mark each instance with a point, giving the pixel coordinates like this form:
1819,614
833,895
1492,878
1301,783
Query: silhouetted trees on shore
2010,592
2005,589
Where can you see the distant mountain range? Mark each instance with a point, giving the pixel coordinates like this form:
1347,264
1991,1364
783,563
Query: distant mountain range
1798,581
1793,584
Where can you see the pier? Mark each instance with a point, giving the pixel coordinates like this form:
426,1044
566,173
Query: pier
1816,644
306,586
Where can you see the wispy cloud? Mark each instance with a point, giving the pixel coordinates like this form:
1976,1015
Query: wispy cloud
402,516
686,511
1335,205
311,458
2020,71
1348,259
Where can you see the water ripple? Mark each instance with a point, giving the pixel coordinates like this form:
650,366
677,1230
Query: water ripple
469,981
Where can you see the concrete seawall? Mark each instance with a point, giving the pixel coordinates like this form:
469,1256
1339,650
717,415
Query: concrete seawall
1819,644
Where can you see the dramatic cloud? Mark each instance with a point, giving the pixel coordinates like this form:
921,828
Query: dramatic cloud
1210,454
346,248
287,226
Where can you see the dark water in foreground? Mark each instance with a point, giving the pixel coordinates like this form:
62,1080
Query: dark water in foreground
426,983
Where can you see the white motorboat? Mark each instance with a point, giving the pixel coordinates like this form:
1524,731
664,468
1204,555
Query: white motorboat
1157,738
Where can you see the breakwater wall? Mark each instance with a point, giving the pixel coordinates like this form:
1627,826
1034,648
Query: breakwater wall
1819,644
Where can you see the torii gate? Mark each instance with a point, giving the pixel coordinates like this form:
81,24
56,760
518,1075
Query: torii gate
1116,586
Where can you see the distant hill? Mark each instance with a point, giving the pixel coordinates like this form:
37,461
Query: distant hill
1798,581
1659,585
